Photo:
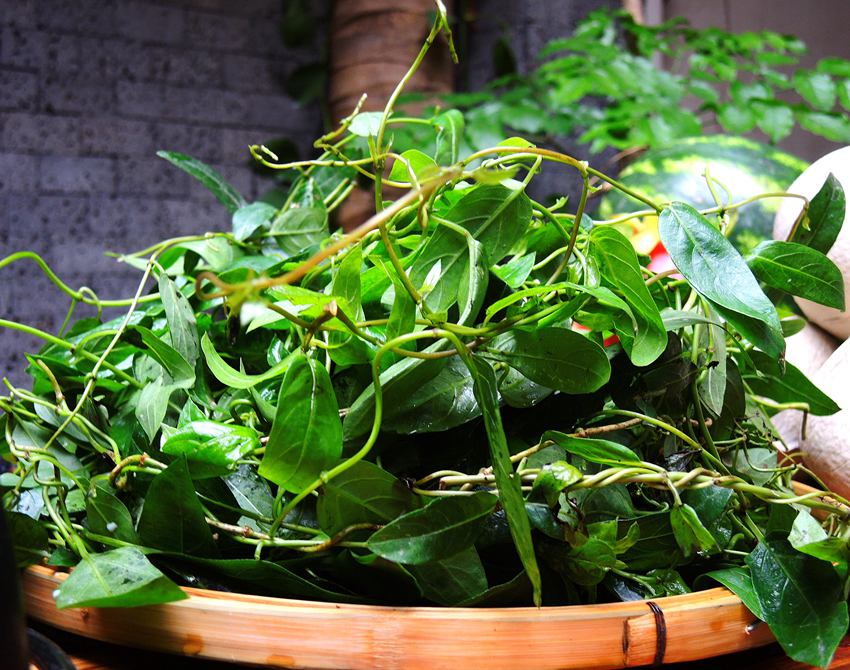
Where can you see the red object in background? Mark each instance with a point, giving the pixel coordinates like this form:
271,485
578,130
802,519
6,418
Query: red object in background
660,260
607,342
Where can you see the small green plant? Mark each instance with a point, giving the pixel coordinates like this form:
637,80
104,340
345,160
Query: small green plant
469,384
606,84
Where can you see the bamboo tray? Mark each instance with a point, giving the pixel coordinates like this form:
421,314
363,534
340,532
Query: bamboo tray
286,633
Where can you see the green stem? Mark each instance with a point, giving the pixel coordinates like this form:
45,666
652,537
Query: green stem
398,267
83,295
625,189
574,232
377,159
59,342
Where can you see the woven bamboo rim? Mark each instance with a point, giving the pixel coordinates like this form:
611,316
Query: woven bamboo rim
287,633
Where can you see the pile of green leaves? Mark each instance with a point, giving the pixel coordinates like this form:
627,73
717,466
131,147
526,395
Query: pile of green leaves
708,80
471,399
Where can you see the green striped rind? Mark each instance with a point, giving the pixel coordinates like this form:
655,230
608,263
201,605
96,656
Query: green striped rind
745,167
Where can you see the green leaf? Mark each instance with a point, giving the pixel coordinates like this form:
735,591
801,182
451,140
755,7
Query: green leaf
438,284
217,252
517,390
736,118
713,388
473,284
250,218
298,228
400,380
711,505
225,193
555,357
592,556
449,127
233,378
172,518
674,319
118,578
718,272
402,317
801,600
656,545
345,347
809,537
181,320
834,127
790,385
365,124
844,93
211,449
442,529
594,449
494,215
178,368
555,478
620,270
516,271
306,436
504,61
307,84
152,406
816,88
510,491
264,578
689,531
106,515
823,221
444,402
297,27
755,463
29,538
774,120
798,270
364,493
250,491
413,160
346,281
452,580
838,67
806,530
739,582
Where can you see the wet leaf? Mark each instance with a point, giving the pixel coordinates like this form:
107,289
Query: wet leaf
118,578
715,268
554,357
801,599
306,436
438,531
172,518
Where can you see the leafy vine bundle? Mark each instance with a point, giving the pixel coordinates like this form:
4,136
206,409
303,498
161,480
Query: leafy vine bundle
474,398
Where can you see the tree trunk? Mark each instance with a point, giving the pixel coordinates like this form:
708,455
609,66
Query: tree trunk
372,45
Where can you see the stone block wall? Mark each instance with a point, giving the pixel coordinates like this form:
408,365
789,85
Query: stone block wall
89,90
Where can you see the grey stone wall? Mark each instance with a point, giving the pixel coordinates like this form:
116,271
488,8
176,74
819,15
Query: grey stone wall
89,90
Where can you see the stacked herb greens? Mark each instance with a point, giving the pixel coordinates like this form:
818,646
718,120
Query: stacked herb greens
471,399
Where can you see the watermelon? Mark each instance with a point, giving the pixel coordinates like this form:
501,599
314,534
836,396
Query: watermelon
745,167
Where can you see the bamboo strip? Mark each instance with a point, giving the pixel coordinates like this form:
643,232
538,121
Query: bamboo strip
298,634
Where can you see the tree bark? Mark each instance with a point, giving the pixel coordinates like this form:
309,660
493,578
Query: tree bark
372,45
